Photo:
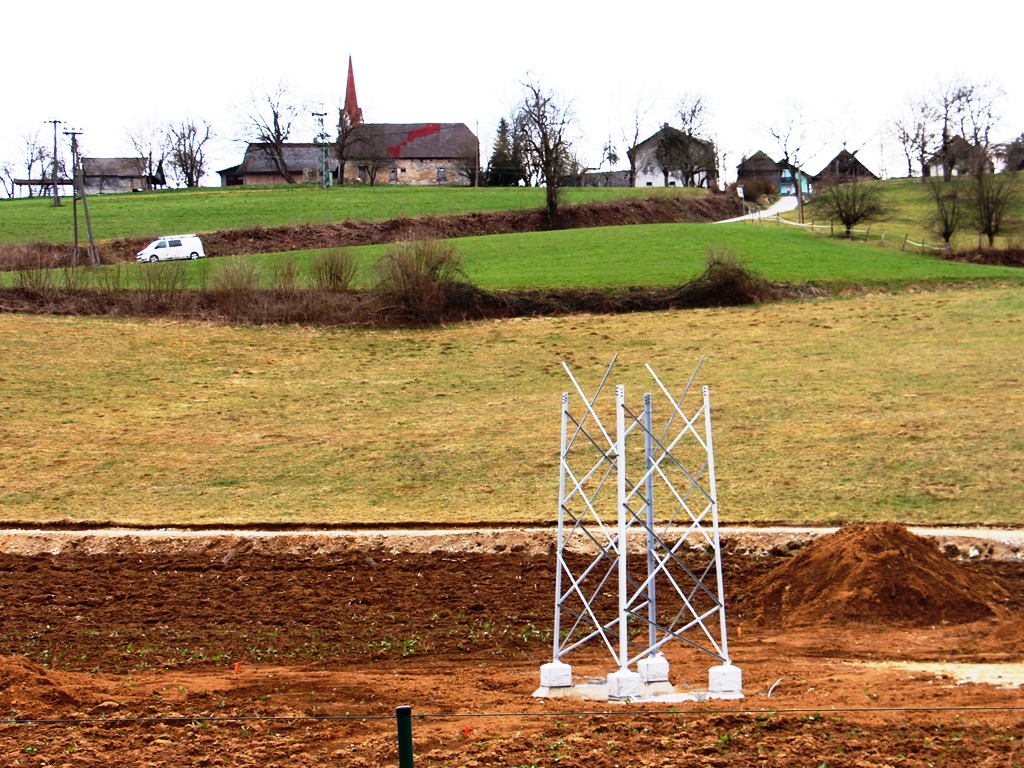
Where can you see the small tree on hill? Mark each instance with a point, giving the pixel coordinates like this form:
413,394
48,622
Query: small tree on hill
545,124
848,200
950,209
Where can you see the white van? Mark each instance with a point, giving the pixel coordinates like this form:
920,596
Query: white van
172,247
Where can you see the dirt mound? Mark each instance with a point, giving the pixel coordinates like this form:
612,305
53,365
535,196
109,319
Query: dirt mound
29,690
877,574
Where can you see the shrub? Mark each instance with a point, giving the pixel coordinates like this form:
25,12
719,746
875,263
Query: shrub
726,282
415,280
756,188
333,269
234,288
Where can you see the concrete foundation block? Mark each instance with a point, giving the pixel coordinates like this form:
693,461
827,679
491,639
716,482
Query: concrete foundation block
624,685
653,669
725,678
556,674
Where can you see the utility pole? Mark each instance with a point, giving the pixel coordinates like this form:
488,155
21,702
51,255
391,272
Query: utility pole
79,187
325,155
55,177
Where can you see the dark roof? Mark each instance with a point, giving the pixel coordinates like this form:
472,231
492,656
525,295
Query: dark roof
412,141
297,158
669,129
118,167
846,164
758,162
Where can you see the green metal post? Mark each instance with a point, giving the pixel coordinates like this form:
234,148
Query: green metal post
403,715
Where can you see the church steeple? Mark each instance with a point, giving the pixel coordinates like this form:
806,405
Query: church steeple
355,114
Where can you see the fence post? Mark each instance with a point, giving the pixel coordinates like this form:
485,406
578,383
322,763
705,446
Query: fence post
904,246
867,235
882,241
778,222
831,228
403,715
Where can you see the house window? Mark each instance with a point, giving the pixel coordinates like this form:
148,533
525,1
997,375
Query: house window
363,170
649,184
394,174
440,176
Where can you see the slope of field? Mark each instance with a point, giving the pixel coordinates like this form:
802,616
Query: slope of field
148,215
870,407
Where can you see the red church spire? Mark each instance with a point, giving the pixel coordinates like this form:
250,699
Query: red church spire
355,114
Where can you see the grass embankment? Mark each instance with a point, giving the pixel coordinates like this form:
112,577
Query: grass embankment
876,407
151,214
644,255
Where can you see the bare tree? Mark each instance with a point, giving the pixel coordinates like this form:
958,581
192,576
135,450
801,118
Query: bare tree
790,135
368,149
34,155
7,177
269,118
187,156
950,209
996,195
693,113
964,110
545,125
150,139
915,131
631,129
467,163
848,200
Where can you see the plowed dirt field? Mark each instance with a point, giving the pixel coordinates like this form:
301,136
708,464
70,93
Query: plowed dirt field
867,647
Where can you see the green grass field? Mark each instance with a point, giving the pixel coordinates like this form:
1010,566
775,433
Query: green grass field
661,254
208,209
878,406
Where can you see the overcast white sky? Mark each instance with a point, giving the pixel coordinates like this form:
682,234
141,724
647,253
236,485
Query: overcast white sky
846,67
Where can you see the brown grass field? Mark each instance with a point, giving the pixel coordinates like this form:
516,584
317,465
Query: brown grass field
879,406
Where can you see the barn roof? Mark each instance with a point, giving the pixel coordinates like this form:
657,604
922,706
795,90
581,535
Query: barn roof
758,162
412,141
118,167
297,158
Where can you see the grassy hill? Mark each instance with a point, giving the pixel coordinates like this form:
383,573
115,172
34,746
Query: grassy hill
910,209
150,214
663,254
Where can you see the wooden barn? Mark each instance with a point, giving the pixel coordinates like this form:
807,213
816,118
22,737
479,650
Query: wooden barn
302,163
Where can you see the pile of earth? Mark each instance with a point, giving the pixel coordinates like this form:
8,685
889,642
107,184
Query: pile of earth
879,574
25,686
1000,257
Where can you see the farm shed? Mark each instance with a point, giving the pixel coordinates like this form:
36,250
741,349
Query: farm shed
302,162
105,175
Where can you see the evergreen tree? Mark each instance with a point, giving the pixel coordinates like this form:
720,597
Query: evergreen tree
504,169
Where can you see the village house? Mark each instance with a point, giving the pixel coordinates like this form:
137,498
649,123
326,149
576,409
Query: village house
671,158
845,165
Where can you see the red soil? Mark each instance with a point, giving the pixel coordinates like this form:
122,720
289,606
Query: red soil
208,651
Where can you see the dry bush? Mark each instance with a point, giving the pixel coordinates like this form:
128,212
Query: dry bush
235,287
285,275
415,280
333,269
726,282
756,188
